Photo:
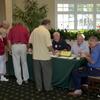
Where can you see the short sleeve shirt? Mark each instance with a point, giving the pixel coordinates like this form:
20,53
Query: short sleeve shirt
83,47
40,39
95,55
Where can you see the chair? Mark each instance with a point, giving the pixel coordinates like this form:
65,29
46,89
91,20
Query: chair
94,83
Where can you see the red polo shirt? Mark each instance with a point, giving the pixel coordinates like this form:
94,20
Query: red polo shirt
18,34
2,45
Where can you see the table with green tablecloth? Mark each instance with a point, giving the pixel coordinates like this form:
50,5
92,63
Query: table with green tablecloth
61,68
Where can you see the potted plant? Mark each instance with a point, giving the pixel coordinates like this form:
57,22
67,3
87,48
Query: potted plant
31,15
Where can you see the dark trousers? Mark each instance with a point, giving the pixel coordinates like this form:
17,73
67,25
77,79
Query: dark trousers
43,74
78,74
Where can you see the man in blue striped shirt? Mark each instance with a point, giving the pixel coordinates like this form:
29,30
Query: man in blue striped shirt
93,66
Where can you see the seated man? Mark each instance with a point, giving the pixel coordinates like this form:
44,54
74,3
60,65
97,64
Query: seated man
93,68
58,43
80,46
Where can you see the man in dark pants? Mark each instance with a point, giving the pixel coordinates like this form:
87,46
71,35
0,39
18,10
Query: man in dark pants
93,68
41,42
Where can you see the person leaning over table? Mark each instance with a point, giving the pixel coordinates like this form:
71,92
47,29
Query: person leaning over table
93,66
80,45
18,39
58,43
41,42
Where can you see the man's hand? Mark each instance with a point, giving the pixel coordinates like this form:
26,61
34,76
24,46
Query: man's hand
85,55
30,51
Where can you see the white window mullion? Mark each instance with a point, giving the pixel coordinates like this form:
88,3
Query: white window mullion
94,16
75,16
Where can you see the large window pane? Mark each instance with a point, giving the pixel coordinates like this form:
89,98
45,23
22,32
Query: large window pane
98,8
84,21
65,7
85,7
65,21
98,21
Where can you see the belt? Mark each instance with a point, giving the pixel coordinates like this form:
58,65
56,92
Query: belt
19,43
98,68
94,69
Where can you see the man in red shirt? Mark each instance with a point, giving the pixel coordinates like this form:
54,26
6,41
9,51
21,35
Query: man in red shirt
18,39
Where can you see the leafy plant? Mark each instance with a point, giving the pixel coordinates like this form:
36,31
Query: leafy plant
71,35
31,15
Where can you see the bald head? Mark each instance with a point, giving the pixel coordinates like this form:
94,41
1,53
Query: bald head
93,41
80,39
5,24
56,36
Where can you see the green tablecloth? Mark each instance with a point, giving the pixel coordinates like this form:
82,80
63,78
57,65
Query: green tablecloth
10,69
61,70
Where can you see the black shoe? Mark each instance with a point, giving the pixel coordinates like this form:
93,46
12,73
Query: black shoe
39,90
26,82
49,90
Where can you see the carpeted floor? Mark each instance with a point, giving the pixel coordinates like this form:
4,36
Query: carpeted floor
11,91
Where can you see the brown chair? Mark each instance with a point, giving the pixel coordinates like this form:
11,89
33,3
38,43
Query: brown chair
94,83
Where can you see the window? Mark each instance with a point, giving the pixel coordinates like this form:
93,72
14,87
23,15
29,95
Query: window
65,7
77,15
97,21
65,21
98,8
85,7
84,21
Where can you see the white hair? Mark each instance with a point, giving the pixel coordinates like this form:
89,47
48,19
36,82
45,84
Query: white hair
82,35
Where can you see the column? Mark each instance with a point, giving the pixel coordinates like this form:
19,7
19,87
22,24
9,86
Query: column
8,10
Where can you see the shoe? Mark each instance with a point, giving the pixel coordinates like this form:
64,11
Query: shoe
19,82
98,95
39,90
4,79
85,85
49,90
75,93
26,82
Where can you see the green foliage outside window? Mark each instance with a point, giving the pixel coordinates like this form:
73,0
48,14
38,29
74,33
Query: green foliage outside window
72,34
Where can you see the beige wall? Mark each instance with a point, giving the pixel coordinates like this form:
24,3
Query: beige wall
2,10
50,5
51,9
8,11
19,3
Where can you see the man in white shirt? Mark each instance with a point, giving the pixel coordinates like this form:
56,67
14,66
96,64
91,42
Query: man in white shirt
80,46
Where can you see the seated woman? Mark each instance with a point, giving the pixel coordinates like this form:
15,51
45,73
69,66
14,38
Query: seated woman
58,43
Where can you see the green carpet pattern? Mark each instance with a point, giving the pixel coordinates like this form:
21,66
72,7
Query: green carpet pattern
11,91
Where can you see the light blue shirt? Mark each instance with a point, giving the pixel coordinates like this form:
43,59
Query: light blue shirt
83,48
95,55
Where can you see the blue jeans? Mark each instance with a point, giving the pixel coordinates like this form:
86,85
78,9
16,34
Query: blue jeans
77,75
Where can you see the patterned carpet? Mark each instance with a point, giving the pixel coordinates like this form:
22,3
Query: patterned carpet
11,91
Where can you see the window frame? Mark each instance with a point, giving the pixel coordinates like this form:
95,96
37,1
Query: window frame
76,12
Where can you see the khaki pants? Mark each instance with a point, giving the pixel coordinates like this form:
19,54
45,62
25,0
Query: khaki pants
19,52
